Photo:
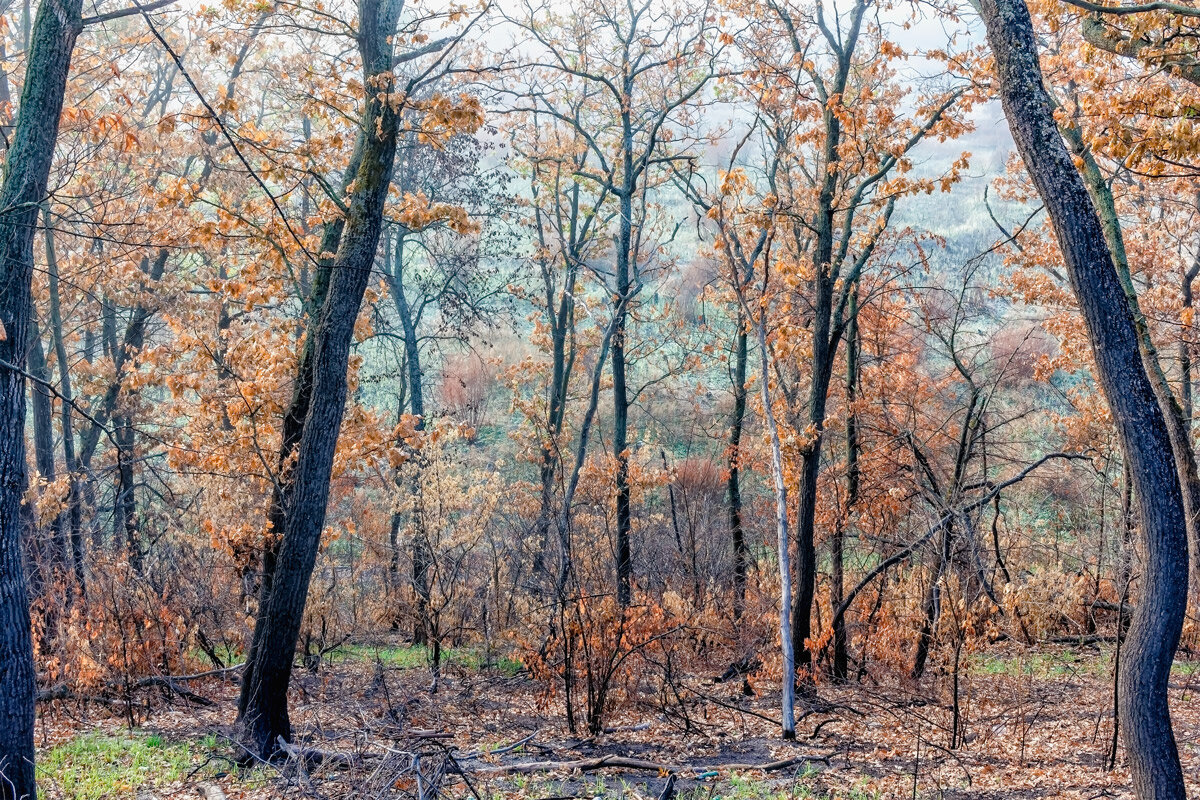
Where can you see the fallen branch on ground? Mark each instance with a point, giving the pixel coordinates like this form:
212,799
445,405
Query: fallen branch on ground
169,682
623,762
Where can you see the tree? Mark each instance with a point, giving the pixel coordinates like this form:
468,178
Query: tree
640,70
828,91
27,170
263,712
440,273
1158,619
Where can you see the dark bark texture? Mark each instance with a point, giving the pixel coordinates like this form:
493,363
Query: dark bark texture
734,484
27,171
1158,618
264,712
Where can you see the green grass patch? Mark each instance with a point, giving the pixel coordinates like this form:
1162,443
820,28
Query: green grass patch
98,765
1038,665
1185,669
417,657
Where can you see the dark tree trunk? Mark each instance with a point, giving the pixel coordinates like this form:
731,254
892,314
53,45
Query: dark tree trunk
620,388
51,547
294,417
27,170
825,337
931,606
621,455
1185,344
125,516
72,519
422,555
1158,619
841,659
560,308
1177,419
734,485
810,460
264,712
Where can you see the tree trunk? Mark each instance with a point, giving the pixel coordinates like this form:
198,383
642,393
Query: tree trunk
27,171
733,485
422,556
52,548
1158,619
264,716
73,518
620,389
837,591
810,469
125,516
931,606
1185,342
788,681
1177,419
295,415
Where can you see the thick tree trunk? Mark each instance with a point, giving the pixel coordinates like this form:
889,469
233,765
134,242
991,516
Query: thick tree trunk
295,415
1158,618
264,716
26,173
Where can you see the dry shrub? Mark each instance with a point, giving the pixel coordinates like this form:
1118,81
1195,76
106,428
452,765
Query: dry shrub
125,629
591,659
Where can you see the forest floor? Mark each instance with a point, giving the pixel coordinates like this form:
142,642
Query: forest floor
1032,725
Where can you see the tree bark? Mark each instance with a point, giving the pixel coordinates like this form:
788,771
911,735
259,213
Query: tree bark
74,513
51,546
1158,618
837,591
264,715
295,415
734,485
1177,419
788,681
26,174
422,555
621,406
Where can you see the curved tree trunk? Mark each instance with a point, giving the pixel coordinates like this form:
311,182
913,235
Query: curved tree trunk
1177,418
1158,618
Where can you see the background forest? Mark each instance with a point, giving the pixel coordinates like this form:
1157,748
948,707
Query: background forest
587,370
